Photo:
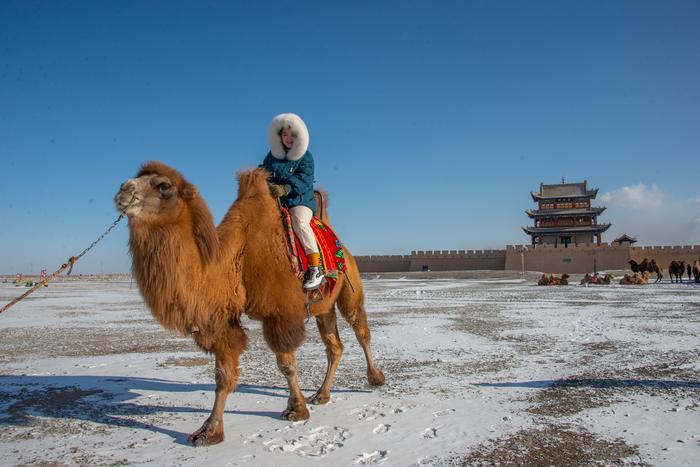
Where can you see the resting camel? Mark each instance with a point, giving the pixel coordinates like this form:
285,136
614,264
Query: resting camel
553,279
597,279
649,266
635,279
198,279
676,270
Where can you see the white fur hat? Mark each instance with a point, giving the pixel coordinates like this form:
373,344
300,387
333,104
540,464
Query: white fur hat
301,143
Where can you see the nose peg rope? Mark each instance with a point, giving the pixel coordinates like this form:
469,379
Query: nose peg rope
71,261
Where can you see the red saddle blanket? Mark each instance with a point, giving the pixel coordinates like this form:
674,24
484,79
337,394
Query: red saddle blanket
329,246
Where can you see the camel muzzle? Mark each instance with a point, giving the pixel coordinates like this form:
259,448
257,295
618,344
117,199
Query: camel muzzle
126,197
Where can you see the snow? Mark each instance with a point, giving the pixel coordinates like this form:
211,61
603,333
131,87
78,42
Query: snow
87,377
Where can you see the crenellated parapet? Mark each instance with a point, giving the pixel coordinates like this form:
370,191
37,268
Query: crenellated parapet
581,258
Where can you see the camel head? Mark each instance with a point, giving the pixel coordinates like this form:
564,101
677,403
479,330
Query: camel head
160,196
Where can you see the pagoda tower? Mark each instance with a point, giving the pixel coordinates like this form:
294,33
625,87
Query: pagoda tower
564,215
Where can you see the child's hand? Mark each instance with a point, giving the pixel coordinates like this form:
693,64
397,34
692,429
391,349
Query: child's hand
278,191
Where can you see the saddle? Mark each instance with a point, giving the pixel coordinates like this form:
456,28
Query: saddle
330,249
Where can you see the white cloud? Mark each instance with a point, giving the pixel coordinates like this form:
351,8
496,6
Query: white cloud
653,215
640,197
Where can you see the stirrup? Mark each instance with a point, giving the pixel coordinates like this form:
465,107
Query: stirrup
315,281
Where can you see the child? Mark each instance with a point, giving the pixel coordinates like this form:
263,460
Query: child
292,168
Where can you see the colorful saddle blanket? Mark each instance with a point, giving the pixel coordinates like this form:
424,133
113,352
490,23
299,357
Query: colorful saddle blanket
329,246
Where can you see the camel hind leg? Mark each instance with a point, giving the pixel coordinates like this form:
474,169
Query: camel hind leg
328,329
352,307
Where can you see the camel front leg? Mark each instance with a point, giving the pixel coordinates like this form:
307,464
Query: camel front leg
296,405
328,328
212,431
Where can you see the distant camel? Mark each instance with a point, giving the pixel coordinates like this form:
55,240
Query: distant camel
553,279
646,265
635,279
676,270
690,270
696,270
597,279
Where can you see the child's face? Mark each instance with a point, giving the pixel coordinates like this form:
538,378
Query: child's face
287,138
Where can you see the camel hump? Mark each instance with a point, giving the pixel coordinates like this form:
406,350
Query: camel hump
321,196
253,182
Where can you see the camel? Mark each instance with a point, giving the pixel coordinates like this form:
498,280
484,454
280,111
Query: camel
198,279
638,267
635,279
647,265
553,279
696,270
676,270
597,279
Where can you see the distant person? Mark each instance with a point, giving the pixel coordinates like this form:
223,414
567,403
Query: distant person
690,271
291,166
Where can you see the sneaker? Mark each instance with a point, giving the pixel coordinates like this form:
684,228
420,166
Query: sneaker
314,277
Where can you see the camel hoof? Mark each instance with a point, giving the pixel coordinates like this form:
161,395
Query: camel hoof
375,377
295,415
206,436
319,398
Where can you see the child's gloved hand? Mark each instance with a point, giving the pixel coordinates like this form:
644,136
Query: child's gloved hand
278,191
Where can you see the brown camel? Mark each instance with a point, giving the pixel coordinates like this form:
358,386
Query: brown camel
646,265
635,279
696,270
676,270
597,279
198,279
553,279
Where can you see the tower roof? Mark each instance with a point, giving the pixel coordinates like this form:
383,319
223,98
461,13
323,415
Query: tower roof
565,190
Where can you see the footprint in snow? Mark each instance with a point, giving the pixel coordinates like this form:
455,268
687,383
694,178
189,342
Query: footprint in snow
440,413
316,442
381,428
374,457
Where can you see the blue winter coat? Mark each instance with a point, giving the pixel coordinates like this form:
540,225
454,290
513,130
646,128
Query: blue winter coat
298,174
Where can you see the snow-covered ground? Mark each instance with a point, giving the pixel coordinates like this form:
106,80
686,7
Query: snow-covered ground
478,371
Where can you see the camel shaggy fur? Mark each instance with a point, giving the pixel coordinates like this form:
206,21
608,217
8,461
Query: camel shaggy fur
198,279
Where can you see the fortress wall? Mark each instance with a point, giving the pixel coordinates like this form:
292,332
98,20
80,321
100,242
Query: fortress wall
390,263
458,260
574,259
665,254
545,258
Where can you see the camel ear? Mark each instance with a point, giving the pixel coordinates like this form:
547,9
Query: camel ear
203,228
189,193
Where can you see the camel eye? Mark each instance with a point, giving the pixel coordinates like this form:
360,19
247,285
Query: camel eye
164,187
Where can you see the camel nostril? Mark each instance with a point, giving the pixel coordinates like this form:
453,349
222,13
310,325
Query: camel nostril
128,186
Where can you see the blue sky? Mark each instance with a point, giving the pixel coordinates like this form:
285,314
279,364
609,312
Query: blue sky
430,122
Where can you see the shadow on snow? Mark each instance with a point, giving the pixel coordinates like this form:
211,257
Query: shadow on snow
111,400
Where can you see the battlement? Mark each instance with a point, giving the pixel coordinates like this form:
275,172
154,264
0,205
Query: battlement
579,258
456,253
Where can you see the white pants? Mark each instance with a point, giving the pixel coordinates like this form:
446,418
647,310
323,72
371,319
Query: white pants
301,219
